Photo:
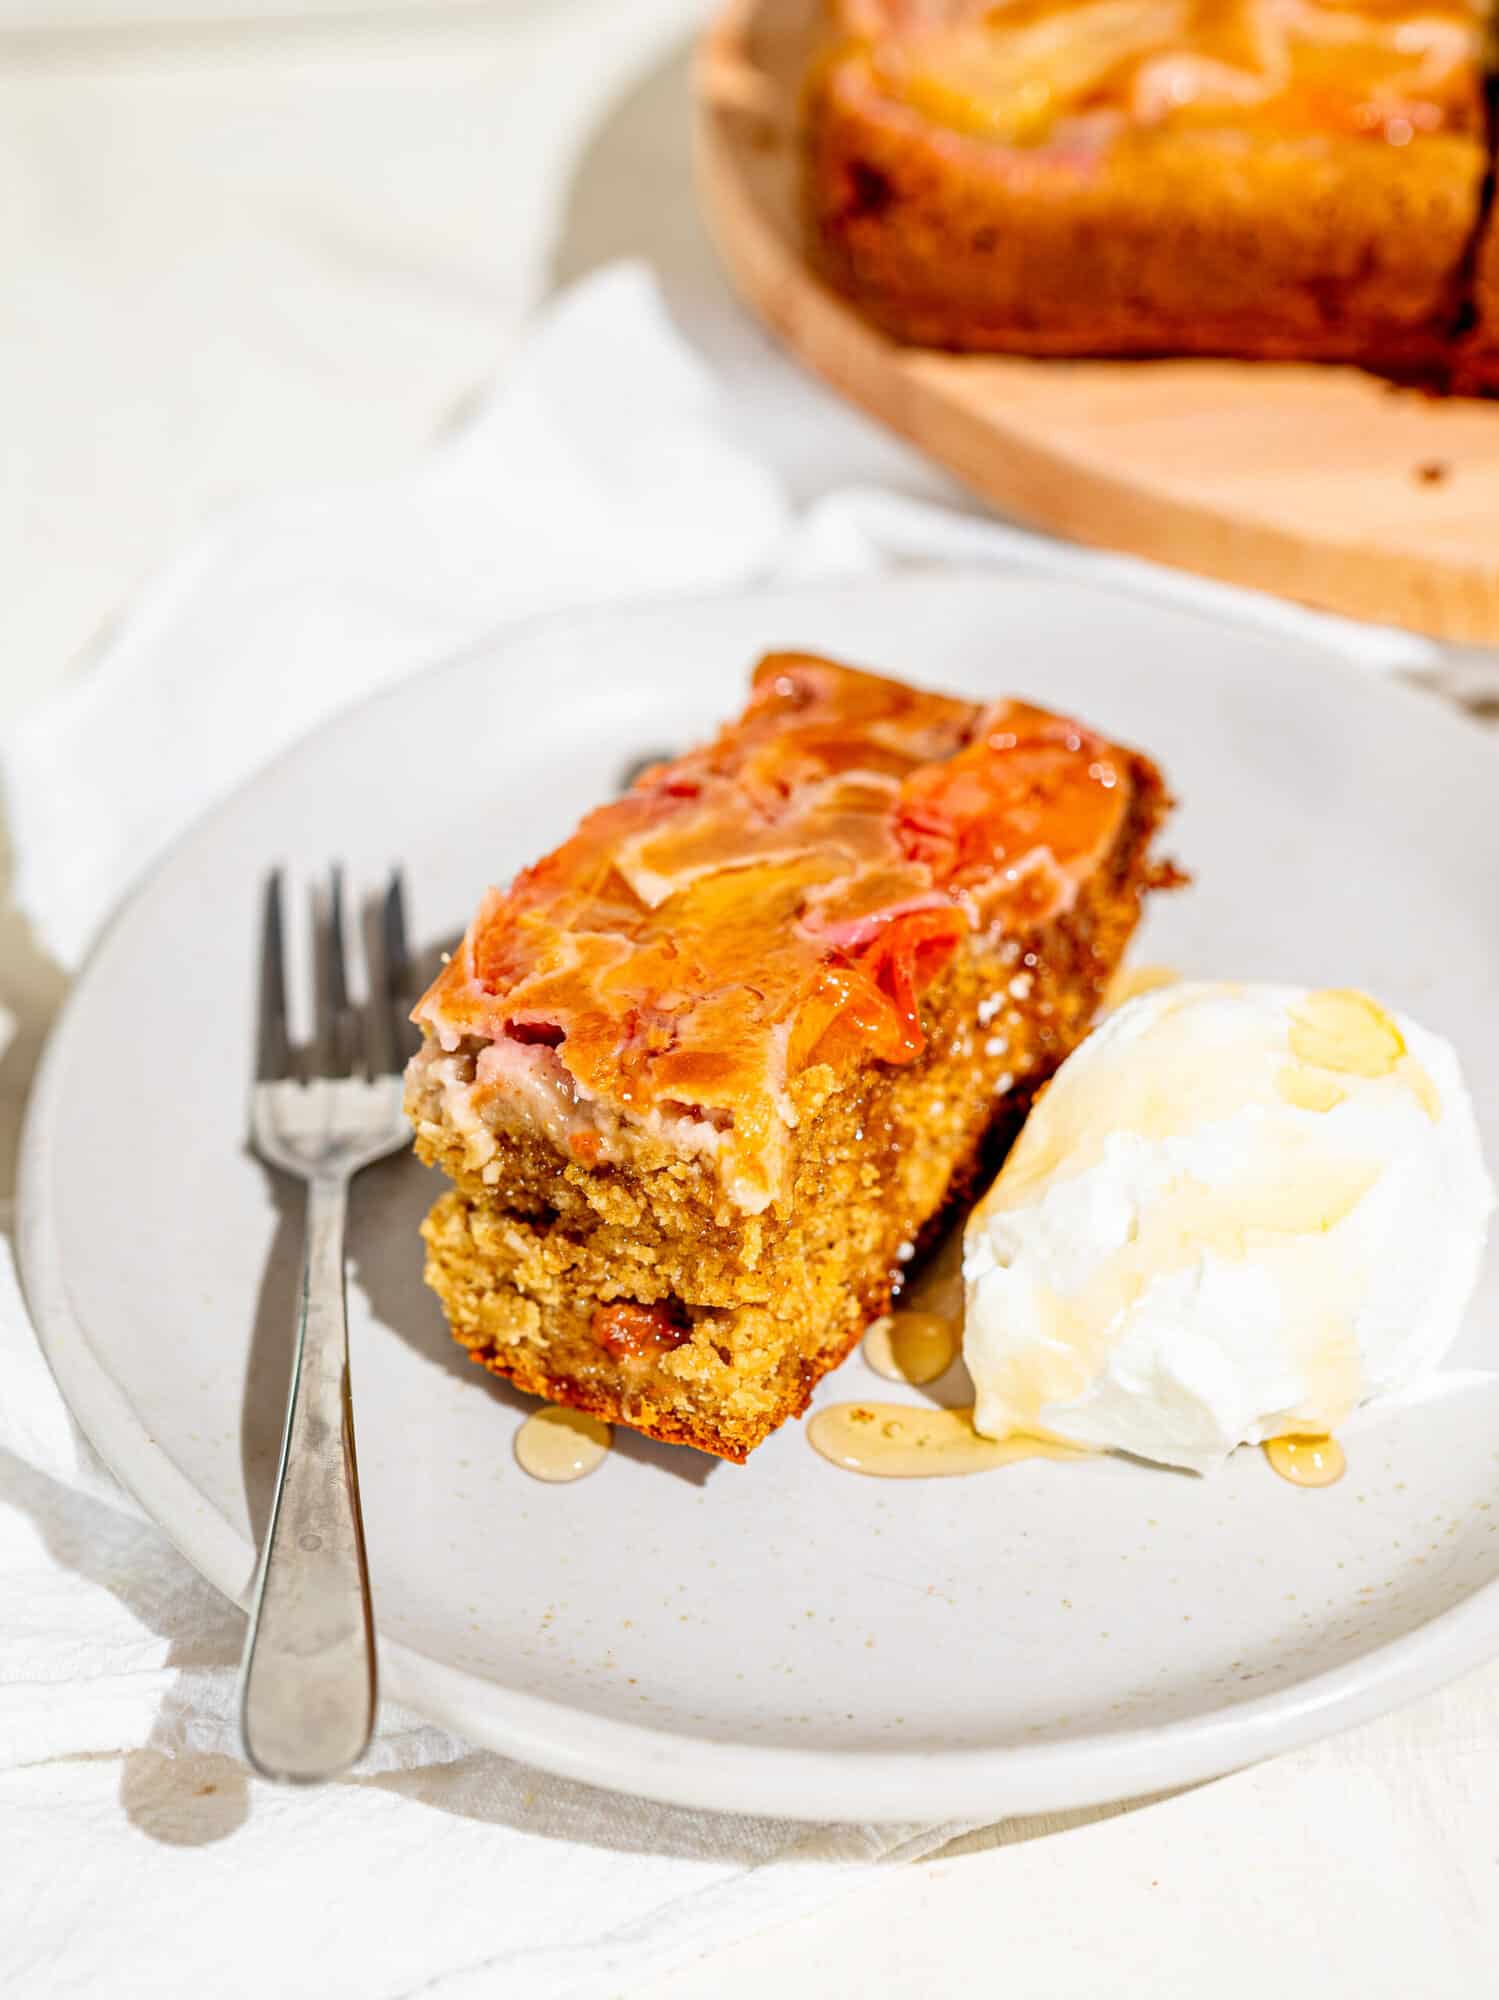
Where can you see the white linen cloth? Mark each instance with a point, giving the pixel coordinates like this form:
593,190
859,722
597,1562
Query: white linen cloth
596,470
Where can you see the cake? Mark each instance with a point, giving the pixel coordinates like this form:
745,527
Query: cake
1476,366
1295,179
705,1075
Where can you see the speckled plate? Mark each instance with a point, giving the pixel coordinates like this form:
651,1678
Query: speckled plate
785,1637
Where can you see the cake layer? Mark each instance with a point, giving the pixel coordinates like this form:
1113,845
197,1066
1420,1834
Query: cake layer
1476,367
1036,73
615,1290
680,983
705,1075
1285,178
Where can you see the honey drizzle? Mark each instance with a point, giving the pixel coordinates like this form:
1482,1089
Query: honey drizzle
558,1446
902,1441
912,1347
1307,1461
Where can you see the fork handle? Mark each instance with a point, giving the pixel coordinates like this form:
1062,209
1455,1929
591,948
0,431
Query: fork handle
308,1684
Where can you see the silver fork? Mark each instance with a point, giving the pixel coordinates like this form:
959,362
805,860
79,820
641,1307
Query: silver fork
307,1686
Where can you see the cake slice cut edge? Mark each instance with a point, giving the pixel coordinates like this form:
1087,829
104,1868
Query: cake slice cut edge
862,926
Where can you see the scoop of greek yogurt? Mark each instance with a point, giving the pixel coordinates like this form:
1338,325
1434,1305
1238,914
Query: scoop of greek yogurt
1238,1211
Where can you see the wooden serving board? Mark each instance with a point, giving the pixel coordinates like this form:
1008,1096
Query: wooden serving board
1321,484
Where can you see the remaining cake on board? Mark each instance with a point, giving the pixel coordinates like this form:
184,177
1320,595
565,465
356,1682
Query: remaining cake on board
1290,179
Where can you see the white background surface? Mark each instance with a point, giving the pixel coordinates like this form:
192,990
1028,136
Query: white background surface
242,257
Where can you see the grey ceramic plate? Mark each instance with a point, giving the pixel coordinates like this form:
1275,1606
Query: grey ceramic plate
785,1637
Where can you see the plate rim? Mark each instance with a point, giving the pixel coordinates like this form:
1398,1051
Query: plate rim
667,1765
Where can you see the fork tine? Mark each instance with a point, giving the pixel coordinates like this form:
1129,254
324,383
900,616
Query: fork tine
338,976
336,1037
272,1042
395,965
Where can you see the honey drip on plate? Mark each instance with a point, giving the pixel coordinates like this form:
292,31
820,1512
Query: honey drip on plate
558,1445
1307,1461
911,1347
902,1441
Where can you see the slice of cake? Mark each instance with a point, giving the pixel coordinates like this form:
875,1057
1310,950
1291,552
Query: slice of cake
1289,178
704,1075
1476,368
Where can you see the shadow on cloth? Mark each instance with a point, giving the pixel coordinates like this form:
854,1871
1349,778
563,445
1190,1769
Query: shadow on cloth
180,1788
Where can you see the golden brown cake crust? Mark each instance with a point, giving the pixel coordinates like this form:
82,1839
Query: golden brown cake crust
775,901
1284,248
1324,223
1476,365
763,1306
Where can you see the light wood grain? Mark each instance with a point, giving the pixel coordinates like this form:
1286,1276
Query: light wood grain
1311,482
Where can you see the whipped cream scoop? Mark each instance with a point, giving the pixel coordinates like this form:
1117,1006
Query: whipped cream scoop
1236,1212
